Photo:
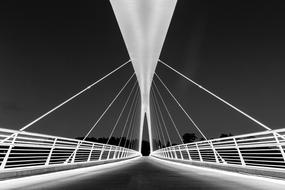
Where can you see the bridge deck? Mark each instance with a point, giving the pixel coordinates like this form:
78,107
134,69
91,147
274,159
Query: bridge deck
143,173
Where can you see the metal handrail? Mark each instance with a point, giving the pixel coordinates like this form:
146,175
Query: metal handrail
267,146
28,150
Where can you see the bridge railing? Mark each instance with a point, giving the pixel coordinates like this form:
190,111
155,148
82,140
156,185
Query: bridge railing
26,149
262,149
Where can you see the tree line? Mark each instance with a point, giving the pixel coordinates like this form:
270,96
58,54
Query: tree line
124,142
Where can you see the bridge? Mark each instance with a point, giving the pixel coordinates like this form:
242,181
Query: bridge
32,160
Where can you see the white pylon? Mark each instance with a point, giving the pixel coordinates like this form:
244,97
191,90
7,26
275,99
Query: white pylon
144,25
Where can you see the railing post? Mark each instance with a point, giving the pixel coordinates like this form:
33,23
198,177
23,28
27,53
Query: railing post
75,152
279,145
214,151
170,152
115,153
188,153
200,156
102,151
110,149
180,153
239,153
164,154
50,152
175,154
90,154
3,164
125,153
122,153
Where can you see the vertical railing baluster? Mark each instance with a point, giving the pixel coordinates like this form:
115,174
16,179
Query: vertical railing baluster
180,153
123,153
214,151
171,153
188,152
167,153
75,152
90,153
110,149
200,156
50,152
127,153
279,145
239,152
4,162
174,151
115,152
102,151
118,152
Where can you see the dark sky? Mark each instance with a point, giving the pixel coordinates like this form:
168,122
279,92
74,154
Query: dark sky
49,51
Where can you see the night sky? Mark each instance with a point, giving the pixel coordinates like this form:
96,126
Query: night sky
50,51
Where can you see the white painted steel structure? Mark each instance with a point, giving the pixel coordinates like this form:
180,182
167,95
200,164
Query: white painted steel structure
28,150
21,149
262,149
144,25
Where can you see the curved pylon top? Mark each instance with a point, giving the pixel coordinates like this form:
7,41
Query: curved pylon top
144,24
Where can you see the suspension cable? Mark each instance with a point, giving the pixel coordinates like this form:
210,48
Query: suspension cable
168,112
132,129
217,97
120,115
87,134
133,113
189,117
162,118
74,96
156,130
158,118
135,97
135,145
108,107
65,102
155,118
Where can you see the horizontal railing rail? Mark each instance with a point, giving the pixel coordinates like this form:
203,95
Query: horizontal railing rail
27,149
261,149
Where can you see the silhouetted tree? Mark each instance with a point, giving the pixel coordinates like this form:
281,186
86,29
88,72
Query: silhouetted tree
113,141
168,144
189,137
225,135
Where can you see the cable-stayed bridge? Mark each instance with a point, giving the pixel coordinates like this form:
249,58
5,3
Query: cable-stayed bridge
25,156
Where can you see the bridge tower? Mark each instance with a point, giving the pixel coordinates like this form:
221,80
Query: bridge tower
144,25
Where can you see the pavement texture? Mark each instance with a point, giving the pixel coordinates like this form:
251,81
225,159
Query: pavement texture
144,173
